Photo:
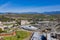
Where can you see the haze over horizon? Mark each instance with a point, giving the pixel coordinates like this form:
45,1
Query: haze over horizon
29,5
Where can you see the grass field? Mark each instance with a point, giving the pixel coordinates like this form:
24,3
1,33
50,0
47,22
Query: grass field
20,35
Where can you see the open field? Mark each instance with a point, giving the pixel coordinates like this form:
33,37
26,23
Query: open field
20,35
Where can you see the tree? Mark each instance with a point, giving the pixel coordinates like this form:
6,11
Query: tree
1,30
18,36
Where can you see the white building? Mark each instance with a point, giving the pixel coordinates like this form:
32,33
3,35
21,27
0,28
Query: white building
1,25
12,22
36,36
29,27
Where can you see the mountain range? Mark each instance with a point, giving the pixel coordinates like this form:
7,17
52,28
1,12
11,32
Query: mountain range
49,13
53,12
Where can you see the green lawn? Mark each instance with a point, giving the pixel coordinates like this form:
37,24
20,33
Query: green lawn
20,35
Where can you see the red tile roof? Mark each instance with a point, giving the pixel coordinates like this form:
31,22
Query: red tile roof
8,34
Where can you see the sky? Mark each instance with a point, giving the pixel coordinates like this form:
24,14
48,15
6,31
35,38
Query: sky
29,5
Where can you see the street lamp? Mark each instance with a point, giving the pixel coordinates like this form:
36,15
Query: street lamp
46,33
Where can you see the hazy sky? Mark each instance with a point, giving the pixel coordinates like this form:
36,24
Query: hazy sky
29,5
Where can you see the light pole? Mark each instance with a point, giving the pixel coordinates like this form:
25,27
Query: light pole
46,33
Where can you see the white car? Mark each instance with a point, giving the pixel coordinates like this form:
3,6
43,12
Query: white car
29,27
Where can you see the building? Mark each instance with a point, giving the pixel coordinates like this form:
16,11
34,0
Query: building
24,22
36,36
1,25
29,27
12,22
8,34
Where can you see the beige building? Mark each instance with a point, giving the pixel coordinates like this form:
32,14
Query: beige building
24,22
